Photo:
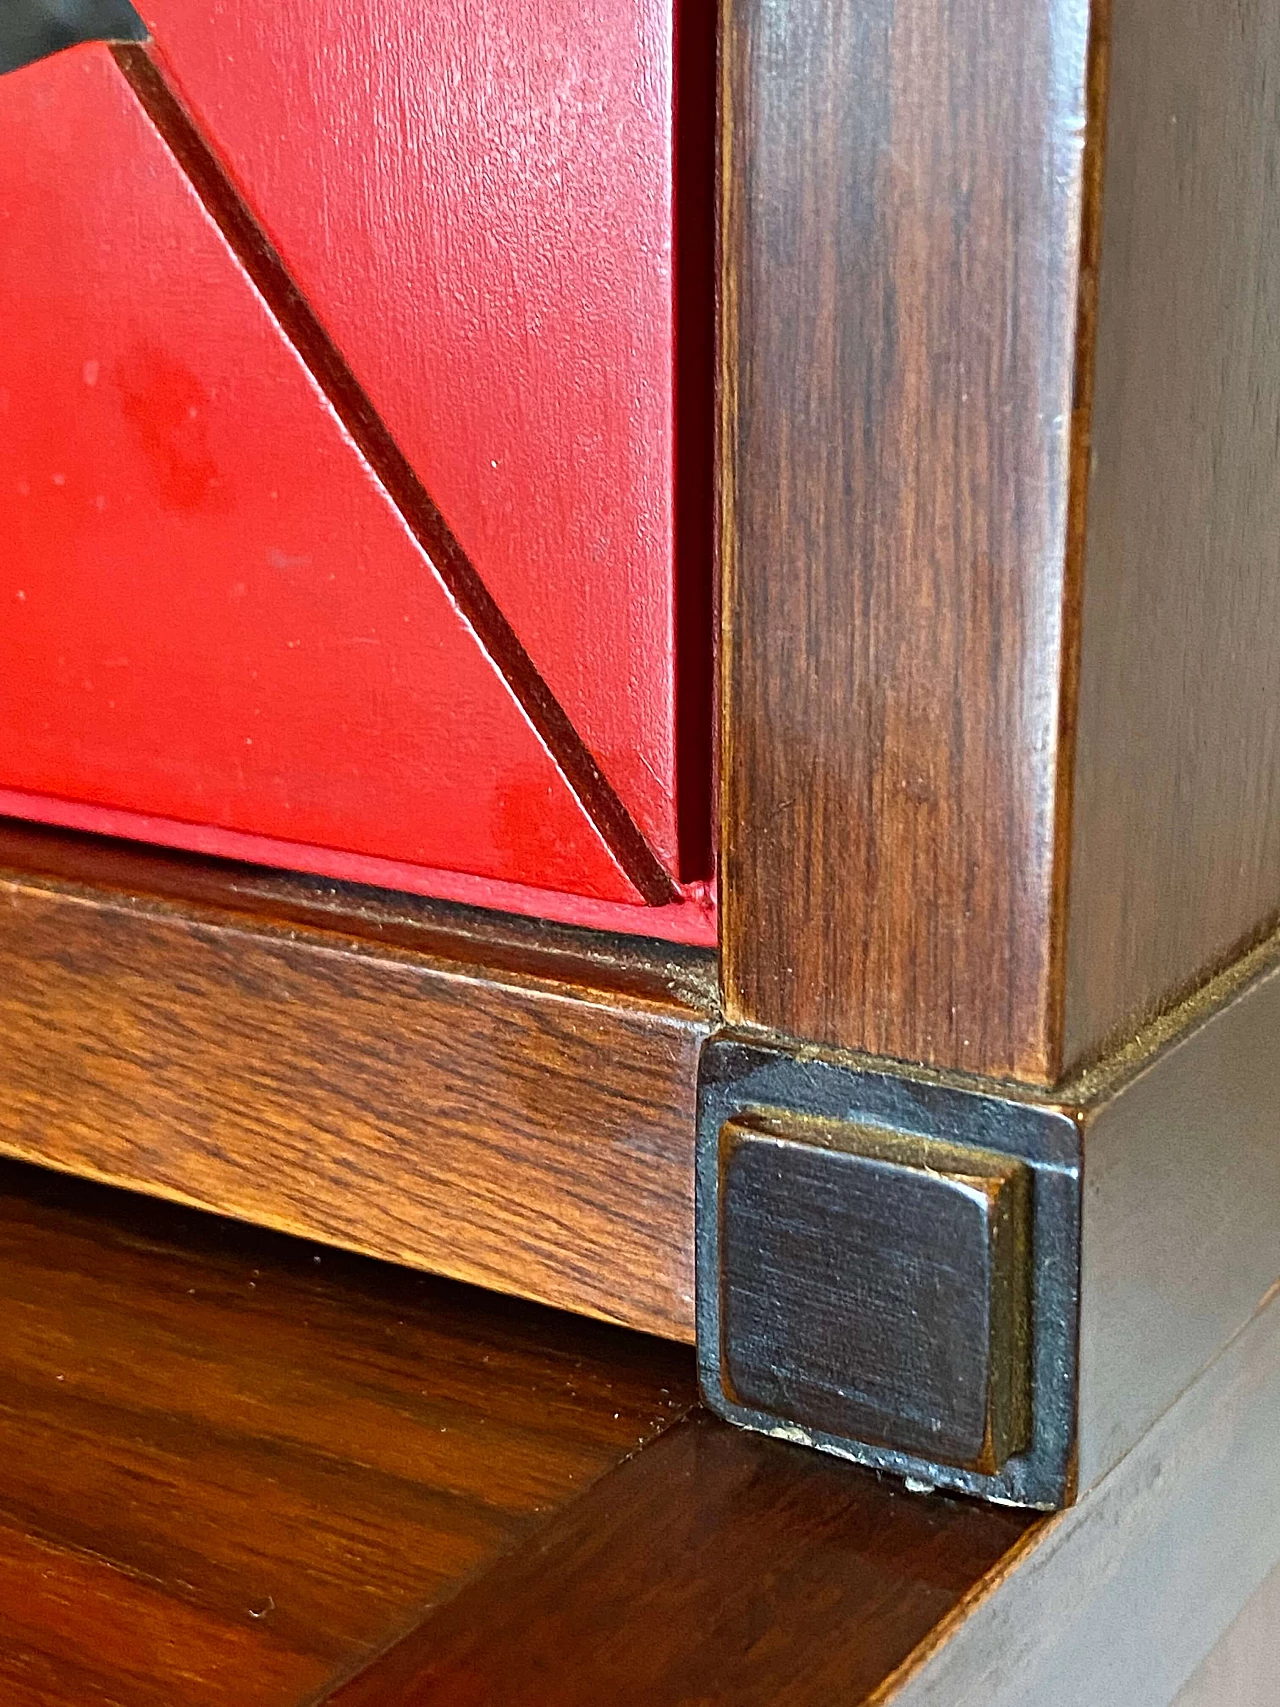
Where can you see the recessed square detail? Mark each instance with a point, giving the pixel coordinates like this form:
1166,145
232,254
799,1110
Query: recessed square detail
875,1286
889,1267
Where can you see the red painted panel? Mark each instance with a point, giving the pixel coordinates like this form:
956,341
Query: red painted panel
690,920
476,196
212,611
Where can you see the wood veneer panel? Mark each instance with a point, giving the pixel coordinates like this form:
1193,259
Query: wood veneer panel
232,1466
902,229
1002,411
1125,1593
717,1567
527,1124
1176,845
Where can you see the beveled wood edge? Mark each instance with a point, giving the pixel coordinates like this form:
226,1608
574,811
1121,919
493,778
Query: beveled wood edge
1089,261
595,964
951,1623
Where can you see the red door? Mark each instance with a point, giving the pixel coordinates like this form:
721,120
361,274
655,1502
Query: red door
354,472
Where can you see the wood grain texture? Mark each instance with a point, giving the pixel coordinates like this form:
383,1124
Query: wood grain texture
1119,1599
1001,512
1176,842
876,1287
233,1467
716,1568
901,240
352,1067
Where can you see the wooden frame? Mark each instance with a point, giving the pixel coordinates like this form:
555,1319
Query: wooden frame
1001,740
1000,813
475,1095
1001,747
1000,744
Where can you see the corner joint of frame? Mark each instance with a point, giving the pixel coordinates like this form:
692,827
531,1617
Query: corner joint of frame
888,1268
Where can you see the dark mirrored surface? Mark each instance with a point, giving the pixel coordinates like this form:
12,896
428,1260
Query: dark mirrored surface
30,29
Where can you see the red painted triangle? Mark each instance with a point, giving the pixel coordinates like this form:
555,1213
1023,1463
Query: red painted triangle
478,200
212,611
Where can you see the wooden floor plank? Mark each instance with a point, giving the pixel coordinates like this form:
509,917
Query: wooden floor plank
715,1569
241,1470
233,1466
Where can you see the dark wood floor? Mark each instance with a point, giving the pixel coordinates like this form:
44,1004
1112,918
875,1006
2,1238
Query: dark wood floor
233,1467
237,1470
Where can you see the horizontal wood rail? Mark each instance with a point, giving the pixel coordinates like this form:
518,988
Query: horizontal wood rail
236,1471
500,1101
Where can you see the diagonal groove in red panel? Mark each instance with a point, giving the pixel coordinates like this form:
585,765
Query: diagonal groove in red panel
421,515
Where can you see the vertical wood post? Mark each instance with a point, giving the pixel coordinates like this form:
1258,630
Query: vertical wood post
915,585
